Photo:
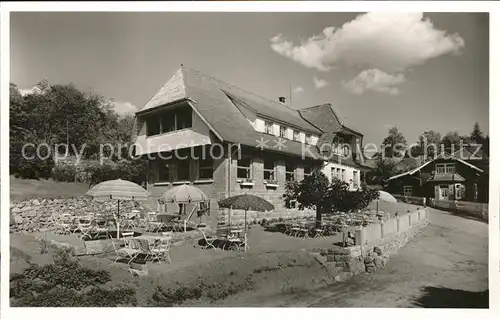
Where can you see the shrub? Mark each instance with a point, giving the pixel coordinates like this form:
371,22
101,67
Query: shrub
64,173
213,292
130,170
65,283
29,165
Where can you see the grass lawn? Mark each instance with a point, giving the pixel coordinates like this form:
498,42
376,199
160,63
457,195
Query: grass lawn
22,189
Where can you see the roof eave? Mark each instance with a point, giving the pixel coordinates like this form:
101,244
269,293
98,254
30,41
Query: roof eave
161,106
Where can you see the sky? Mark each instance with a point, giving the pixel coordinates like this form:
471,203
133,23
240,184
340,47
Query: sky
411,70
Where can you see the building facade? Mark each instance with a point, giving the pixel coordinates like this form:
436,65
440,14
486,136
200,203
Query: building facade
446,177
227,141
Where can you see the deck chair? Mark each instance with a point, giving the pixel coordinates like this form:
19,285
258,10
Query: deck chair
126,252
85,226
209,240
320,232
161,251
63,226
147,249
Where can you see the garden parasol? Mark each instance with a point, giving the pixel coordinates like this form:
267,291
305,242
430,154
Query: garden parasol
184,194
246,202
118,189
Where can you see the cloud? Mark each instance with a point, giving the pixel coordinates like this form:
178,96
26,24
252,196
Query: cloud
391,42
34,89
374,80
319,83
298,89
123,108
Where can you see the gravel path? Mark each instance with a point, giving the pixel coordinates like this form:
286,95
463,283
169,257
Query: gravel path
444,266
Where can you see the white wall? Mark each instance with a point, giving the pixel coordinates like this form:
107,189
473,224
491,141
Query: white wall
349,172
198,134
260,125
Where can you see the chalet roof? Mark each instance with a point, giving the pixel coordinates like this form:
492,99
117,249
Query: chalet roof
451,157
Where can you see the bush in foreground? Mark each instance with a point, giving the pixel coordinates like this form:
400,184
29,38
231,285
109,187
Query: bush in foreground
65,283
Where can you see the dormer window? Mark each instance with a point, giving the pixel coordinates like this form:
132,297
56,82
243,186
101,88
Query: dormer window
269,128
282,131
445,168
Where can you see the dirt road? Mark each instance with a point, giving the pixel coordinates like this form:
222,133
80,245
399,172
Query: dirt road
444,266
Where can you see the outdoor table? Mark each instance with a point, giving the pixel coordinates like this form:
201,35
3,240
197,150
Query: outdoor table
235,232
153,239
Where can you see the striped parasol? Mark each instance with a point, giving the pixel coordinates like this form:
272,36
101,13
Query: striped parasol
120,190
184,194
246,202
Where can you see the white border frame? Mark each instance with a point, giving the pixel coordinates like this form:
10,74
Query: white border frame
277,6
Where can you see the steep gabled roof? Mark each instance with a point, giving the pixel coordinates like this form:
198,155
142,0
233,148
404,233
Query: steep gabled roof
413,171
213,100
327,119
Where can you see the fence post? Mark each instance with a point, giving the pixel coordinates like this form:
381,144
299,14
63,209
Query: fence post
397,221
418,210
409,218
382,229
359,236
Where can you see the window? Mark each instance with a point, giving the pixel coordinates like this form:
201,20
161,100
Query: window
445,191
355,178
184,118
163,172
289,172
308,139
169,121
269,128
282,131
346,150
244,170
307,171
445,168
296,135
339,145
342,176
336,173
206,169
183,171
407,190
269,170
152,125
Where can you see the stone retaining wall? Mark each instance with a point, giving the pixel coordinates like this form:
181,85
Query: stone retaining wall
372,254
32,215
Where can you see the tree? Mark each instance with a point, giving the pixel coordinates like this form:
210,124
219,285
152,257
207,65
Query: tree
477,136
385,169
312,192
394,143
451,142
316,192
429,144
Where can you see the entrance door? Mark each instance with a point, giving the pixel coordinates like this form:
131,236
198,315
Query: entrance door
437,192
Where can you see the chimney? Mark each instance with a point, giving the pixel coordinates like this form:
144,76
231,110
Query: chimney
282,99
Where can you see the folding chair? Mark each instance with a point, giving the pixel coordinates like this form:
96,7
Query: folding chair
161,250
209,240
124,252
320,232
63,226
85,227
